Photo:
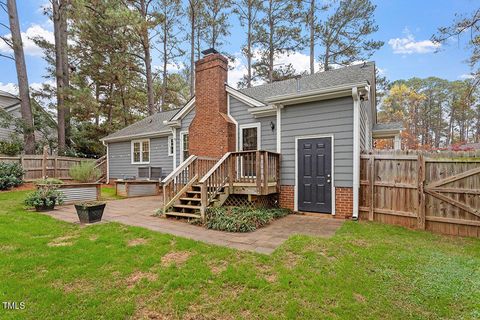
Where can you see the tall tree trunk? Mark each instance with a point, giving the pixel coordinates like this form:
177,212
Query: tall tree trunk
270,44
57,21
23,89
64,4
165,64
147,60
312,36
249,48
192,50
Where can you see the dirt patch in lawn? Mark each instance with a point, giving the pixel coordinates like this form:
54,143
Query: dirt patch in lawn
136,242
177,258
62,241
137,276
359,298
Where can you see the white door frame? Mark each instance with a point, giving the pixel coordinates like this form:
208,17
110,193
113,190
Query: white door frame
297,138
181,134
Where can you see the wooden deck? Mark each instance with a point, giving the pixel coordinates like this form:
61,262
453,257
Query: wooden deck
198,182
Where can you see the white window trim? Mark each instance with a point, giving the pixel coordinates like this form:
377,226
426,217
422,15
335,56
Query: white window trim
295,196
248,126
182,133
170,144
141,151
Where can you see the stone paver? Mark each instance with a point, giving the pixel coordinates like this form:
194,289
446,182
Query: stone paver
139,211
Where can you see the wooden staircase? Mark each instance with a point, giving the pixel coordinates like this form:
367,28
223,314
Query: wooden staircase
202,182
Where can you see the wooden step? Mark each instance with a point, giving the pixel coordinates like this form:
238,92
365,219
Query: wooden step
193,191
191,199
186,206
182,214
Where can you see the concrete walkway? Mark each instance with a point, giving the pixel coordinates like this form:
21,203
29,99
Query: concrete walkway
139,211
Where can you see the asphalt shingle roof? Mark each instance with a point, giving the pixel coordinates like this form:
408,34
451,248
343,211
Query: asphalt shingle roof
320,80
149,125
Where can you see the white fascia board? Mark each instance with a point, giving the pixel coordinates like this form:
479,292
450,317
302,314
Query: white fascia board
184,111
137,136
243,97
172,124
320,94
266,111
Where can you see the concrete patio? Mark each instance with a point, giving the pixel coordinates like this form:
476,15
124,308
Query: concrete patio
139,212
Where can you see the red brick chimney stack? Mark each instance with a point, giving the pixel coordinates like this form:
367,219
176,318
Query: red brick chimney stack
211,132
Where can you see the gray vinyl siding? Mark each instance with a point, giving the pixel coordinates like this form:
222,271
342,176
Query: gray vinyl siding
120,162
185,124
363,126
6,132
239,111
329,117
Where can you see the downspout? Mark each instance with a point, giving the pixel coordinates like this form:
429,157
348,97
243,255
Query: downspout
356,151
279,128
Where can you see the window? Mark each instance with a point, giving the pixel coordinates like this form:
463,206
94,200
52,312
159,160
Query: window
184,146
171,149
250,137
141,151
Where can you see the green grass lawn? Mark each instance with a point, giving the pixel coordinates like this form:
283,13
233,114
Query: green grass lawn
111,271
108,193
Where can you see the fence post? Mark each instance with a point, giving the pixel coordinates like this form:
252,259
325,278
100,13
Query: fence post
265,172
44,162
371,186
421,193
258,174
55,169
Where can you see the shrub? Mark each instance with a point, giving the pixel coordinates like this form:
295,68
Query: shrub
85,172
239,219
11,147
10,175
48,181
44,197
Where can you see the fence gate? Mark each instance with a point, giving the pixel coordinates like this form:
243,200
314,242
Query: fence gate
433,191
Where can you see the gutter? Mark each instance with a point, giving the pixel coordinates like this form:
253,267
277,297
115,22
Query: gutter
326,93
356,151
137,136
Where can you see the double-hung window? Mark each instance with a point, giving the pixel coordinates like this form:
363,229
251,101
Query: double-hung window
141,151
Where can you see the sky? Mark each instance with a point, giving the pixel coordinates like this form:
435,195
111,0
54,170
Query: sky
404,25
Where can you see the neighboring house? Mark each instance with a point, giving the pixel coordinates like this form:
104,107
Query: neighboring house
317,123
10,104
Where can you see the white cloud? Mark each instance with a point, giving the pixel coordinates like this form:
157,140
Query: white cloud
408,44
29,47
466,76
9,87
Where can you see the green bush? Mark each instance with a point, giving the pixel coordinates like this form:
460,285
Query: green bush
11,175
85,172
48,181
239,219
11,147
44,197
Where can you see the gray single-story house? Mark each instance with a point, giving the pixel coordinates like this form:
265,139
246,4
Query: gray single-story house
314,126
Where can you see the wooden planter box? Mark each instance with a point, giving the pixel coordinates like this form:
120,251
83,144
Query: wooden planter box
75,192
137,188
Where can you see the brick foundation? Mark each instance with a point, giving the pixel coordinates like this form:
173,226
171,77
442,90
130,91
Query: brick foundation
286,198
343,203
343,200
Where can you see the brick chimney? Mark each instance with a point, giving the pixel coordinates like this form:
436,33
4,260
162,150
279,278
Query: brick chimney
211,131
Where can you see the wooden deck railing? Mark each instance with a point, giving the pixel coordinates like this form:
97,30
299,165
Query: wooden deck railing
183,177
259,169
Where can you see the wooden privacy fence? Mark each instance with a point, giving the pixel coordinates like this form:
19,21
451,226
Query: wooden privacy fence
436,191
37,166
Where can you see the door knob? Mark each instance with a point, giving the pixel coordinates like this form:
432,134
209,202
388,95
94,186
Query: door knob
328,181
328,176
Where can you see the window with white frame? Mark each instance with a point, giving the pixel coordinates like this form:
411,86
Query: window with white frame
141,151
171,147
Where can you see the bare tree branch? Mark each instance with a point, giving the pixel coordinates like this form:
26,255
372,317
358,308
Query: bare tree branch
7,56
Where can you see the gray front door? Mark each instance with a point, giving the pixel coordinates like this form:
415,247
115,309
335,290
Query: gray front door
314,175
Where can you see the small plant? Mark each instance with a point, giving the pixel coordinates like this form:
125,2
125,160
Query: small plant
240,219
85,172
44,199
11,175
11,147
48,181
88,204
